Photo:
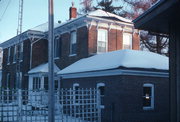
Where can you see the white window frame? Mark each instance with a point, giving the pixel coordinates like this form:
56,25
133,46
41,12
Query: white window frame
124,40
151,107
73,39
14,55
9,56
74,93
98,86
56,47
99,40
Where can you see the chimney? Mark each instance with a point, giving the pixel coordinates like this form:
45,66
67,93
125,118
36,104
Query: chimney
72,12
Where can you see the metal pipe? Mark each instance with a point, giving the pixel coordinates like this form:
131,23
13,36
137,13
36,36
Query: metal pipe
51,114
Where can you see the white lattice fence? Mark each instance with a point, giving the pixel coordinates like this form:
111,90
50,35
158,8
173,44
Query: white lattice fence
32,105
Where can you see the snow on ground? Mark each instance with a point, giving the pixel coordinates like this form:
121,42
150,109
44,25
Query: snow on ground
115,59
43,68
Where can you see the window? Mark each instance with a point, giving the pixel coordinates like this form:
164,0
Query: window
127,41
46,83
21,52
56,47
14,55
36,83
148,96
73,43
9,54
7,81
17,79
76,92
101,88
102,41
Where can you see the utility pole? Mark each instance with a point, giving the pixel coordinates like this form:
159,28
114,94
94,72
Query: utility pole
51,111
18,58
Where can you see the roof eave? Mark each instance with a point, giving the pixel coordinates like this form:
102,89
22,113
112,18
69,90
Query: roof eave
155,15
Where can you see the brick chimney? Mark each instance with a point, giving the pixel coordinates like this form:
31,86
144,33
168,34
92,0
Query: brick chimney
72,12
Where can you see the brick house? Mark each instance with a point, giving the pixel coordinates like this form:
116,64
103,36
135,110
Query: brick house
79,37
134,85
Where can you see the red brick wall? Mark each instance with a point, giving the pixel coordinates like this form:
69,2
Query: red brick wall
39,53
136,41
82,48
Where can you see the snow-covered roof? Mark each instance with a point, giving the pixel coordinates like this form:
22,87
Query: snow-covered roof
43,68
120,58
96,13
101,13
44,27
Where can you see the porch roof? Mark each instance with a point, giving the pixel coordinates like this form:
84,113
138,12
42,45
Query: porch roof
43,68
158,17
117,59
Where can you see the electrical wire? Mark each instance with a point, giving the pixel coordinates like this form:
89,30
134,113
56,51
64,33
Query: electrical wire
5,10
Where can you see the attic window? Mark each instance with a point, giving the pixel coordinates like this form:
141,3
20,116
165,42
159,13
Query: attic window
102,41
127,41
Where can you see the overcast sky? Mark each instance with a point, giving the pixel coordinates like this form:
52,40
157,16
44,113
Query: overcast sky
35,13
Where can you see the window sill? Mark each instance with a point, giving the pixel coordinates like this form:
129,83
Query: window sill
71,55
148,108
14,62
56,58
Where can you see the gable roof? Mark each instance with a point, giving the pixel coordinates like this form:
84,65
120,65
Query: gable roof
116,59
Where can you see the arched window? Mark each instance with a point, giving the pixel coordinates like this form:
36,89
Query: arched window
101,88
148,96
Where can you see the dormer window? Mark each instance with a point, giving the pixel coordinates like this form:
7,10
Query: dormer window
127,41
102,41
73,43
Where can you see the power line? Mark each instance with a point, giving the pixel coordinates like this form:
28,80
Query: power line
5,10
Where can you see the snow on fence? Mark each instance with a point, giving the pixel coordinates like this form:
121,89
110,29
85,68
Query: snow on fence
82,105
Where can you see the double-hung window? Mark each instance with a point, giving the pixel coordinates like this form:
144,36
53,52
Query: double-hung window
36,83
14,55
9,55
127,41
73,43
56,47
102,41
148,96
21,52
8,81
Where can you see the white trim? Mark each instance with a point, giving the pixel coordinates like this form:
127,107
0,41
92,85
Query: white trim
115,72
152,96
